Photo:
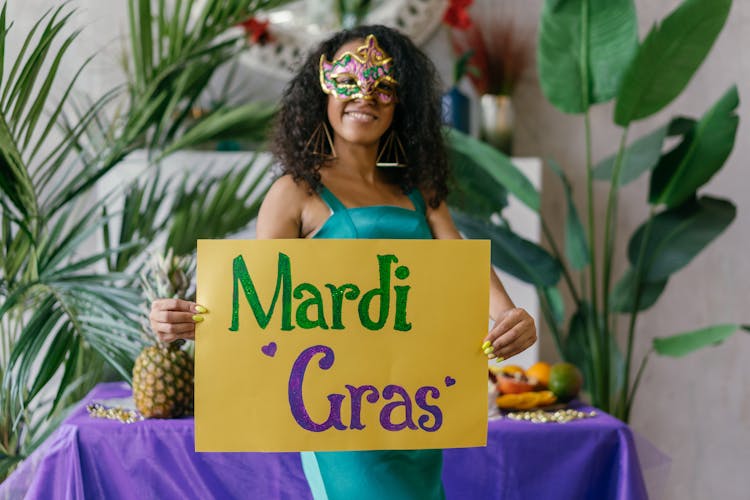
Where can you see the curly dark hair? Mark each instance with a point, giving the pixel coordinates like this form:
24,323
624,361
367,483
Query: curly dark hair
416,120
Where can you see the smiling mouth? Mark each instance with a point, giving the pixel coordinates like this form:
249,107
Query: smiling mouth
360,116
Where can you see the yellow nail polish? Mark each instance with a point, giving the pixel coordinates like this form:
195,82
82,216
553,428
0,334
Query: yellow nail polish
201,309
500,359
486,344
489,350
197,318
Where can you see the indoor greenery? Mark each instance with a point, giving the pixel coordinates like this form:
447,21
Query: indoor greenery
589,54
68,304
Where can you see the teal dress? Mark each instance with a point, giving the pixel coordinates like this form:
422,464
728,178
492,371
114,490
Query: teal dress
371,475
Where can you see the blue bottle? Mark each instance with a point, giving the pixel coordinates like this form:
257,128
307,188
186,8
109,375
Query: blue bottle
456,109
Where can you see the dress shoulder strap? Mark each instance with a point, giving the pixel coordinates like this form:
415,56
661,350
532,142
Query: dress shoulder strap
415,195
328,197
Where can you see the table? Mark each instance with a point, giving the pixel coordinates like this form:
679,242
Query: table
97,458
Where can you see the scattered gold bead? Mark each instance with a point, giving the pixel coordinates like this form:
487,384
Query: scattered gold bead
115,413
543,417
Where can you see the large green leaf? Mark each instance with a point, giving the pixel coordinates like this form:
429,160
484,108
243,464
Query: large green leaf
521,258
465,148
576,246
584,48
700,155
577,348
475,192
554,299
668,58
643,154
622,296
677,235
637,158
685,343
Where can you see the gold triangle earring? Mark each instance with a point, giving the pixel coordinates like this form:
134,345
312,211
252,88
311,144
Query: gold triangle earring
320,138
392,153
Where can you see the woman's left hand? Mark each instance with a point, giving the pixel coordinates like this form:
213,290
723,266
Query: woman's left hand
513,332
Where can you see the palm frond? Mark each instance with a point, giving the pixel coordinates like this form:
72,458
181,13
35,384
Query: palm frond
216,207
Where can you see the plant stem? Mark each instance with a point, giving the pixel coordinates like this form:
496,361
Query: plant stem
609,244
634,313
558,255
631,395
600,371
600,364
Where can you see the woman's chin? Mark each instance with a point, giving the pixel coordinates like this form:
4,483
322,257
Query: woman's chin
361,138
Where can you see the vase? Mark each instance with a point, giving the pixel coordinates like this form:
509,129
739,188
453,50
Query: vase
456,109
496,121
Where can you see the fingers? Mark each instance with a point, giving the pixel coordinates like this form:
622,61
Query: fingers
176,305
168,332
511,334
171,316
173,319
522,340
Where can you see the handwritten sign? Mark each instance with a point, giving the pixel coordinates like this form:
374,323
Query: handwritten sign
341,345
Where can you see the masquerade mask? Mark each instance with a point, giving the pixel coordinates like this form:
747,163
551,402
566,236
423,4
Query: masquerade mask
366,74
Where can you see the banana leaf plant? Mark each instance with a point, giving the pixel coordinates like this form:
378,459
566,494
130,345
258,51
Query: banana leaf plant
65,309
589,54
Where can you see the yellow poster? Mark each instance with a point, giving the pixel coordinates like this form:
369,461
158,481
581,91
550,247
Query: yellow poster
341,345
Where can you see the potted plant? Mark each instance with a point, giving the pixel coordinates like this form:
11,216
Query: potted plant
500,55
590,54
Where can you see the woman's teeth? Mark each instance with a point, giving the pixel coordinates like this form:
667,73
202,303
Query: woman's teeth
360,116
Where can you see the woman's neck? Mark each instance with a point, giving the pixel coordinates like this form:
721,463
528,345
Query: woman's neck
356,161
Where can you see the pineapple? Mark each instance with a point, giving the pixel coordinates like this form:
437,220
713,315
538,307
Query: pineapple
163,374
163,381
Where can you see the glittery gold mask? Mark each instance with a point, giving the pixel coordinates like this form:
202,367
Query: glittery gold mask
364,74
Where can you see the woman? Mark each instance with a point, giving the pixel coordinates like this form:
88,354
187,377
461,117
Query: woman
359,140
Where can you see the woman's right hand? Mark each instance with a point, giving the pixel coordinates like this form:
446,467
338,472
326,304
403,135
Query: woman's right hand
173,319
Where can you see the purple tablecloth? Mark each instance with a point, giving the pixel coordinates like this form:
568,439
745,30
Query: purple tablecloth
96,458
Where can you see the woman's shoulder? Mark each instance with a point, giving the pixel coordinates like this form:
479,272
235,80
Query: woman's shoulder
284,200
280,214
289,189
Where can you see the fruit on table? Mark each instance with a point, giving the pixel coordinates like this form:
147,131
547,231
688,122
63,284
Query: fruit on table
565,381
163,381
511,370
539,371
513,385
526,400
506,370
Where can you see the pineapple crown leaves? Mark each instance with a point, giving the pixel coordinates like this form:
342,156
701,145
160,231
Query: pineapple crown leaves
168,276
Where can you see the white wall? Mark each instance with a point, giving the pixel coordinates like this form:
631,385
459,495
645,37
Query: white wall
695,409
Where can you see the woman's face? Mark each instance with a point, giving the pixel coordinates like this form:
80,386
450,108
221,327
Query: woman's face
360,121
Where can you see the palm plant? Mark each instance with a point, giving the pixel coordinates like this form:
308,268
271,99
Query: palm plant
64,305
588,54
55,310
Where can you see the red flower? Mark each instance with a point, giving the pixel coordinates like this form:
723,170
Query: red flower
456,14
257,31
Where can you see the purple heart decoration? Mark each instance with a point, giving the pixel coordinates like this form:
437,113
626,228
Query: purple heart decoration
449,381
269,350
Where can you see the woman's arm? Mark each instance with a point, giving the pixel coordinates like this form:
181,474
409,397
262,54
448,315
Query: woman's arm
514,330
